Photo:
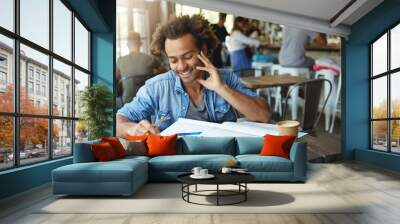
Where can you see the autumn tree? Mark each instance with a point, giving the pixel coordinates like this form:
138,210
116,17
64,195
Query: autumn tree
33,130
380,127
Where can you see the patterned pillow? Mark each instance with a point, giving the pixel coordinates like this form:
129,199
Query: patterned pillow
137,147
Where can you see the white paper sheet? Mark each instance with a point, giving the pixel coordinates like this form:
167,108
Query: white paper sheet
226,129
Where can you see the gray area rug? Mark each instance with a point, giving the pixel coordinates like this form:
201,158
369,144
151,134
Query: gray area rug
166,198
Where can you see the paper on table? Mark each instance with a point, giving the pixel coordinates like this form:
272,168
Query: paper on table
207,129
255,128
226,129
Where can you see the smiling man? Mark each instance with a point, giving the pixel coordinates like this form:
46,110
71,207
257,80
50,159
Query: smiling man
193,88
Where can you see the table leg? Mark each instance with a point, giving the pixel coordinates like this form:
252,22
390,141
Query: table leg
217,194
245,192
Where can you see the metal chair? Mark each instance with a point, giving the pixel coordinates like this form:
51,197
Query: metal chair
130,85
312,95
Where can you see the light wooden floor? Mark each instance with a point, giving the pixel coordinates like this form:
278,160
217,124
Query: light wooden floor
378,188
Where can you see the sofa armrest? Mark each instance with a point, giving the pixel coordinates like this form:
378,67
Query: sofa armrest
298,155
83,152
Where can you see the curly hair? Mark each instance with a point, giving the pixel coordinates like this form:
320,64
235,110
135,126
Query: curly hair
176,27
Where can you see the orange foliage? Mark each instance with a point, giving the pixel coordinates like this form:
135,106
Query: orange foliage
33,130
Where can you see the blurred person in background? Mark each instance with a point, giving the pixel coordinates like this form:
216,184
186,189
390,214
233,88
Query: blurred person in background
221,33
237,44
293,52
136,62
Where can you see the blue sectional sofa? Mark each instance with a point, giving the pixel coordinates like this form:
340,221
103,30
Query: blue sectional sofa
125,176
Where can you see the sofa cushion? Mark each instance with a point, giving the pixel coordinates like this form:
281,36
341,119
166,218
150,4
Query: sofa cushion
134,147
185,163
206,145
277,145
116,145
103,152
249,145
161,145
257,163
112,171
83,152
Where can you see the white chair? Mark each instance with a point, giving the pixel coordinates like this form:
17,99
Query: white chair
336,104
260,68
331,107
294,101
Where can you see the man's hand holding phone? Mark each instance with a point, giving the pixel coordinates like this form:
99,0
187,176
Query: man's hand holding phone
213,82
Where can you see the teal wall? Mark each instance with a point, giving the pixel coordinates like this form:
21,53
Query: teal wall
24,178
355,96
103,63
99,16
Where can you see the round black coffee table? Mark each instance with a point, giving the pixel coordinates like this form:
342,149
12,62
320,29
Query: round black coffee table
238,179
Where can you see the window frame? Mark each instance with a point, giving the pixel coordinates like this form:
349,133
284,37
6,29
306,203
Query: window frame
16,114
388,74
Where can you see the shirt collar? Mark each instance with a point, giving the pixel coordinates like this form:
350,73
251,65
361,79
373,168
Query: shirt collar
178,83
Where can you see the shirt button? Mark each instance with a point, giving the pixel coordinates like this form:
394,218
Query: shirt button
183,108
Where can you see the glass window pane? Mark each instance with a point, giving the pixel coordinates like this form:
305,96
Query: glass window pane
81,131
379,56
379,98
7,14
34,97
395,136
62,138
81,45
395,47
62,89
395,94
81,81
189,10
33,139
6,142
6,74
379,135
210,16
62,29
35,21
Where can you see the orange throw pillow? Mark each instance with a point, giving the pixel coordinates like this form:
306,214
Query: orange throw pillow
161,145
116,145
277,146
103,152
142,138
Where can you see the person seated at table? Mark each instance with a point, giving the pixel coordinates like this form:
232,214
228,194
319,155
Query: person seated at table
292,52
193,88
237,44
136,62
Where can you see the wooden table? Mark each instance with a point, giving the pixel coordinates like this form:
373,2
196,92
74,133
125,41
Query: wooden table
271,81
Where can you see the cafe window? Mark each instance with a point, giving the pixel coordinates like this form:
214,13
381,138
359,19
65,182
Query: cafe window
384,92
44,44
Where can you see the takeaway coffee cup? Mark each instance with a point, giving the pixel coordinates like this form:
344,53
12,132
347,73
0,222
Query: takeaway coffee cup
288,127
196,171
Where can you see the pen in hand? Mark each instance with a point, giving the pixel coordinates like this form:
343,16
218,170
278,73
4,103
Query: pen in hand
159,122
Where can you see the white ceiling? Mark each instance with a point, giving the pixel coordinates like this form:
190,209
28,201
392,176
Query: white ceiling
321,9
313,15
